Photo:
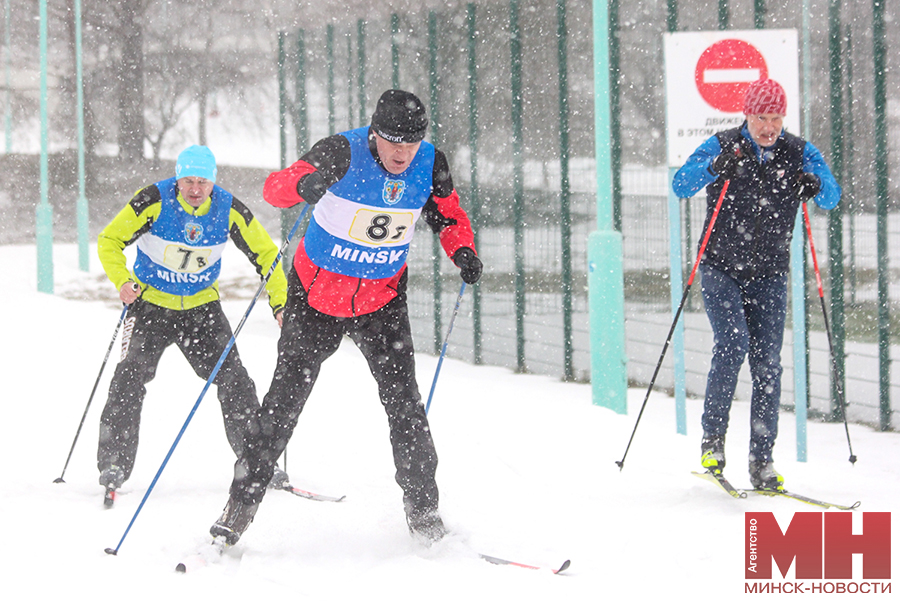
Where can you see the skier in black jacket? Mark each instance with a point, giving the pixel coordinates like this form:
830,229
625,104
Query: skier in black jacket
745,266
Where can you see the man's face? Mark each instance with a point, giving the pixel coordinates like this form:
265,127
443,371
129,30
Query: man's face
195,190
765,129
395,156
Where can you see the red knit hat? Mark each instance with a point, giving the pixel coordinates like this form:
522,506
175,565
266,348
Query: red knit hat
765,96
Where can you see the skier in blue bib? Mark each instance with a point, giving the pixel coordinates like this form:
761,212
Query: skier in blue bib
180,227
369,187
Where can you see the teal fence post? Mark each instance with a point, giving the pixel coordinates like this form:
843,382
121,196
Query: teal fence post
475,196
565,214
329,67
798,329
7,58
799,321
723,15
759,14
301,105
518,160
436,249
615,129
605,268
361,70
300,117
44,212
282,108
395,51
350,80
836,215
676,292
676,270
882,198
81,205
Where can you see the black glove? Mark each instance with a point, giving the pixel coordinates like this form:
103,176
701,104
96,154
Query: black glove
807,186
726,164
311,187
469,264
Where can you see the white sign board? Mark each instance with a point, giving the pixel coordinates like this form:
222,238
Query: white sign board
707,73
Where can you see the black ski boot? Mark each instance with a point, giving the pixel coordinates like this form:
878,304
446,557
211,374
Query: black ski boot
233,521
111,479
712,453
426,526
280,480
764,477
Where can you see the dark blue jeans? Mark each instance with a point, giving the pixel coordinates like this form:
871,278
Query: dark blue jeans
747,320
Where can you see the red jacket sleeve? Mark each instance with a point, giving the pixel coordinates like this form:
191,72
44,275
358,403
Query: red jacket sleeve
459,234
280,189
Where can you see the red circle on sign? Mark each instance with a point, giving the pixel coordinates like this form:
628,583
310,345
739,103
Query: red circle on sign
724,72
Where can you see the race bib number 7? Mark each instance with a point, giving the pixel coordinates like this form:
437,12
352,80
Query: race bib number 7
380,227
184,259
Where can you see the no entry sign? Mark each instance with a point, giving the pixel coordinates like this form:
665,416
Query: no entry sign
707,74
724,71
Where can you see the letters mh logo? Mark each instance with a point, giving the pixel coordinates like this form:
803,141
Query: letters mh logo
821,545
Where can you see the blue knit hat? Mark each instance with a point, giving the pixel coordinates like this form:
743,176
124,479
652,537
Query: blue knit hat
196,161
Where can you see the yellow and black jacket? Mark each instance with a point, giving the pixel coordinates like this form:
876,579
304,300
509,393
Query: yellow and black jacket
180,247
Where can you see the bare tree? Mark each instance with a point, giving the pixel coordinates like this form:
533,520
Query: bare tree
131,80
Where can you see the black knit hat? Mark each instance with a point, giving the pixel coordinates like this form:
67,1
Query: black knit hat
400,117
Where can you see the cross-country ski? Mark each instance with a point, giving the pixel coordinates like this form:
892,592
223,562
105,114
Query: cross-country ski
741,493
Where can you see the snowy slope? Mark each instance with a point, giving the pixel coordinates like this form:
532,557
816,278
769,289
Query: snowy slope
527,471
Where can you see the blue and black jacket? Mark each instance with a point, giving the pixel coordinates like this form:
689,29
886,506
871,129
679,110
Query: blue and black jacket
752,234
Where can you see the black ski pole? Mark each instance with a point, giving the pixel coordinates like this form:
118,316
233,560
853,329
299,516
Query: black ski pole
437,371
684,296
839,390
212,376
93,390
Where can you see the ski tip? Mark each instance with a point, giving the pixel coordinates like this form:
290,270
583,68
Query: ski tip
563,567
855,505
181,568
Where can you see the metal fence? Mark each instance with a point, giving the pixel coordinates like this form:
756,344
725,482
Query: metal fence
509,89
648,310
530,188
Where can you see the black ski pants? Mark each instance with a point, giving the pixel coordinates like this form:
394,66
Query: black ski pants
308,337
201,333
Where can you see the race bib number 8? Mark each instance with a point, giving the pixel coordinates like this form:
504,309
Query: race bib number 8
378,227
185,259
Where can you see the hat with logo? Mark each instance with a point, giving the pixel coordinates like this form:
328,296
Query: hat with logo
765,97
196,161
400,117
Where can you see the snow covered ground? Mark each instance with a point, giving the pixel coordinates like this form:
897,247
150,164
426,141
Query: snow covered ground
527,471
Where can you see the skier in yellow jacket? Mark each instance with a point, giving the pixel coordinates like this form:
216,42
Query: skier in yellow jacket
180,226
